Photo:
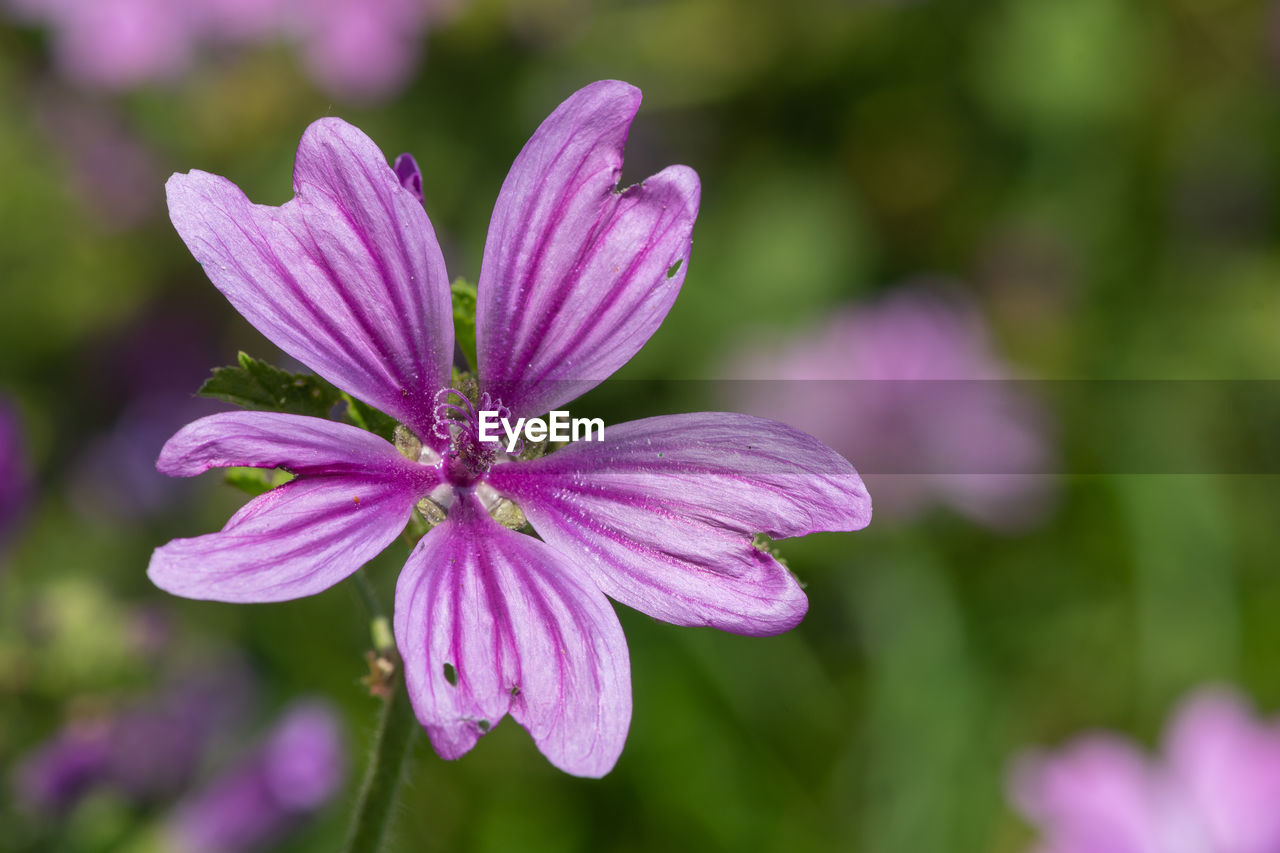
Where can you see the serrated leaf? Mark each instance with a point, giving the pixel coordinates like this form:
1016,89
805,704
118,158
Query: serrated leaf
254,384
464,319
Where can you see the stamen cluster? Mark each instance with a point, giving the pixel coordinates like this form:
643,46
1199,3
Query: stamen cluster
467,457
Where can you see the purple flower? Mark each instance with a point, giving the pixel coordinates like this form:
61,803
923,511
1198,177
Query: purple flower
157,746
296,770
910,386
115,477
106,163
56,775
1214,790
145,751
348,278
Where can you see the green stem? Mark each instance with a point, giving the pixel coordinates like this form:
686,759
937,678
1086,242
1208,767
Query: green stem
396,730
368,595
397,727
379,625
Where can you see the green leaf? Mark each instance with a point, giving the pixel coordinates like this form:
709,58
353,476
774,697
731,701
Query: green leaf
254,384
368,418
257,385
464,318
256,481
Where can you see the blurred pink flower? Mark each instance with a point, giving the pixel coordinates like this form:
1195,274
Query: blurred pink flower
105,162
1215,789
294,772
355,49
362,50
121,43
911,387
148,398
145,751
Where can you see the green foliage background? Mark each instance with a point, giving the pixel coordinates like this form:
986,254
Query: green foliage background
1102,175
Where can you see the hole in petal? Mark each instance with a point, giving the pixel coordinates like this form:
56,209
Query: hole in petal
450,675
674,268
515,690
483,725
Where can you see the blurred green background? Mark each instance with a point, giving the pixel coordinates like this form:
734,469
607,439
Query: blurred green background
1100,177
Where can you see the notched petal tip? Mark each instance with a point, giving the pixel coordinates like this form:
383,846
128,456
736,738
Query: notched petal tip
491,623
578,273
346,277
191,198
684,180
180,182
176,186
782,602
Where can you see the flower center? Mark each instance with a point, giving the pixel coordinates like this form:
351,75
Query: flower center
457,421
461,456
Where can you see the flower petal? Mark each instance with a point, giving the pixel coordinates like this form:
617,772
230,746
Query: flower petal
489,621
577,275
1228,761
1097,793
302,444
347,277
662,513
352,497
296,540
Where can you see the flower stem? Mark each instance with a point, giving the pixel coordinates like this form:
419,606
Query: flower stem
368,595
397,726
396,730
